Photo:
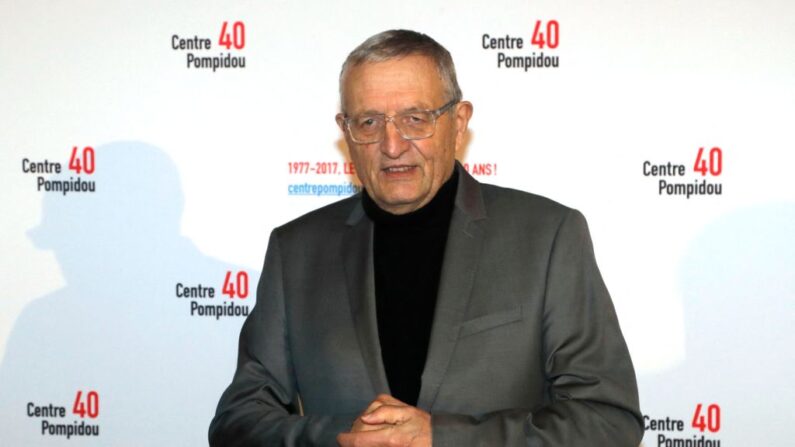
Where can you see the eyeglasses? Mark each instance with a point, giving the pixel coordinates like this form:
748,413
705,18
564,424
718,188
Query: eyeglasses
414,125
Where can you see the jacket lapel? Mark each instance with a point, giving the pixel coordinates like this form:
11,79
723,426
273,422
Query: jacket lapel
357,258
462,252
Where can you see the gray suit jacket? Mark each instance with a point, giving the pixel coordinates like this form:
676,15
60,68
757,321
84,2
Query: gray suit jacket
525,347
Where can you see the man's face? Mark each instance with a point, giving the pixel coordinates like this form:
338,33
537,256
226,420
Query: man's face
403,175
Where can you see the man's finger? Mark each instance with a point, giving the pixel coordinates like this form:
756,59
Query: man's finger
388,414
360,425
373,406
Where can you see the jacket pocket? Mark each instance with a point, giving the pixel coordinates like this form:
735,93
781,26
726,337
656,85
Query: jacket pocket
489,321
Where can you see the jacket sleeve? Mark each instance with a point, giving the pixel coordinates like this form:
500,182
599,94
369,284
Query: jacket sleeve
591,394
261,406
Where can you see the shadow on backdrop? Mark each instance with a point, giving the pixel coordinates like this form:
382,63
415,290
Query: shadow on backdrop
737,280
117,326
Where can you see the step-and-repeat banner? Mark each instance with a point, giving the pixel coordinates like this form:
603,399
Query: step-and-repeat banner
148,148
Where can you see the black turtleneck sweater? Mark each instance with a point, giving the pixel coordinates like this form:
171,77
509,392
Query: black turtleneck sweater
408,252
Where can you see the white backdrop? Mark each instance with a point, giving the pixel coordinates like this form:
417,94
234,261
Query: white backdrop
192,167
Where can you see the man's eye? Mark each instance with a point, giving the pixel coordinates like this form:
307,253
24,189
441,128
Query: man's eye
415,119
366,123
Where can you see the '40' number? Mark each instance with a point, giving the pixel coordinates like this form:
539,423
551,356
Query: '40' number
552,34
709,422
713,165
238,287
236,38
82,162
88,406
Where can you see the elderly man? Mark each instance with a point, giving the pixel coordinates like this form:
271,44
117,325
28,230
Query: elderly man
430,309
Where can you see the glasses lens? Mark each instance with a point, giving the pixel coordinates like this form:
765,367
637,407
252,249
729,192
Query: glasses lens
415,125
411,126
366,129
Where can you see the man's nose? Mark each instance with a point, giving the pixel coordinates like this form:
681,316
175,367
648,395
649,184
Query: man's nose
393,144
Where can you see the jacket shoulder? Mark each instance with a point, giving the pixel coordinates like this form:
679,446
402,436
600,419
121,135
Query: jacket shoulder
501,202
329,218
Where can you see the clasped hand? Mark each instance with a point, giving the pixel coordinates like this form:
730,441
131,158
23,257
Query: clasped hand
389,422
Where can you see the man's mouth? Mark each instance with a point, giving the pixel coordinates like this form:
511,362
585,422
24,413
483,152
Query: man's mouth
397,169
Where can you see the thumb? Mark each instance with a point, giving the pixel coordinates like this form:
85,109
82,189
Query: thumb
387,414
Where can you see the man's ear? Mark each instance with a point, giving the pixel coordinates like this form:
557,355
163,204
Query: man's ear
341,121
463,112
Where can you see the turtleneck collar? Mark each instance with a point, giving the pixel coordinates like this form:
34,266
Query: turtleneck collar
435,212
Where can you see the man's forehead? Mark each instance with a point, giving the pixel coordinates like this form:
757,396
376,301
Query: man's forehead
374,104
411,82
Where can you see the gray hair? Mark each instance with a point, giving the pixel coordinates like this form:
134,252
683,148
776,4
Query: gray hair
395,44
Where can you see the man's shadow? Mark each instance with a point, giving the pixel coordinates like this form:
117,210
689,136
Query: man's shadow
117,327
737,280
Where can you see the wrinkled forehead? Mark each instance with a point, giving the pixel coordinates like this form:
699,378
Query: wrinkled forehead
394,85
